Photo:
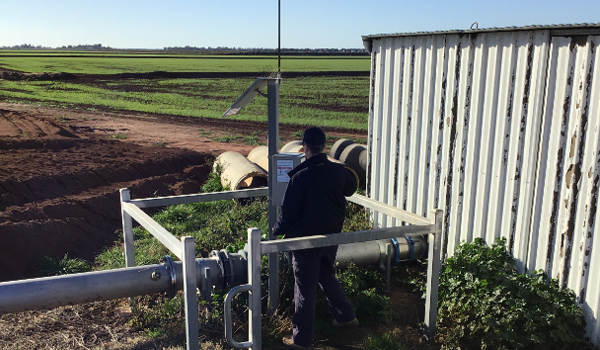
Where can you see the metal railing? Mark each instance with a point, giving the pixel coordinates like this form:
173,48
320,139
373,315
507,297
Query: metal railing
183,248
256,249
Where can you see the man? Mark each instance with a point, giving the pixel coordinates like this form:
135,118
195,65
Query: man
315,203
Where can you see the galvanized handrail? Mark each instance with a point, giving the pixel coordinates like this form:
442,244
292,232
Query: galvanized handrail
199,198
227,315
257,248
130,210
389,210
183,248
316,241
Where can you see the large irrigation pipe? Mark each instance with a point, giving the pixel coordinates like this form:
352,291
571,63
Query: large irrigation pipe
238,172
338,147
355,156
259,156
222,271
292,147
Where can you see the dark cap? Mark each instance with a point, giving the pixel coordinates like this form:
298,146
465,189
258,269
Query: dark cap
314,136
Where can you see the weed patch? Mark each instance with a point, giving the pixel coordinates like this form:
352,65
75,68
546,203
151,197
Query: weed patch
118,136
52,267
484,303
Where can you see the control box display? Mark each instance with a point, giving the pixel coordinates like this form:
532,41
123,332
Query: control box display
283,163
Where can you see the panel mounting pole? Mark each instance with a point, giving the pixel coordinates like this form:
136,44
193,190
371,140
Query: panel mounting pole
273,145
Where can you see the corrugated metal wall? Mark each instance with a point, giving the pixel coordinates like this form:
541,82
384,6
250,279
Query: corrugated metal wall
501,130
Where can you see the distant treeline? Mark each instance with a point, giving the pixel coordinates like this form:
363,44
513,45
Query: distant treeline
266,51
221,50
86,47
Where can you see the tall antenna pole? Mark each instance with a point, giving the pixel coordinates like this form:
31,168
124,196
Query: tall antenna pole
278,38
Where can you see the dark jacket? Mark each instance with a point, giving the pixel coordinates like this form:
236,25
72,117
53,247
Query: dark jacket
314,201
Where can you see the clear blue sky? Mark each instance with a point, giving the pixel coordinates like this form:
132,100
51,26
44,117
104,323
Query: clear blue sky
253,23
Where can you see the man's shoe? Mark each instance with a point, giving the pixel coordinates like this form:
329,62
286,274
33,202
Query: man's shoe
289,343
352,323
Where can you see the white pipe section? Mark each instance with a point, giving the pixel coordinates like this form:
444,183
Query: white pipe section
338,147
292,147
238,172
260,156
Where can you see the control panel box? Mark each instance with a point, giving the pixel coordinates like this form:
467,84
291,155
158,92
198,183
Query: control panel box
283,164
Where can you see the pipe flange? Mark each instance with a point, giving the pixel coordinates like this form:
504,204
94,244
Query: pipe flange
168,262
225,259
225,264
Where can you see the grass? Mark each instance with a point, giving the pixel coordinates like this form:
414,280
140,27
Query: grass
228,138
323,101
47,266
387,341
329,101
252,140
118,136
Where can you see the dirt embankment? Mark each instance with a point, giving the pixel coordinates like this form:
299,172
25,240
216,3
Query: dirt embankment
59,187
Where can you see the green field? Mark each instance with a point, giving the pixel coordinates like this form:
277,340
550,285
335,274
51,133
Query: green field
334,101
131,63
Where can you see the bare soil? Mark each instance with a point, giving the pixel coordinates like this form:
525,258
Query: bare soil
60,175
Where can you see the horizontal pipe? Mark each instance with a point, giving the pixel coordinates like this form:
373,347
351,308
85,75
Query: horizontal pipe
49,292
360,254
374,252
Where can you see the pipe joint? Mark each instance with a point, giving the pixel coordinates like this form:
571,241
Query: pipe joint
167,261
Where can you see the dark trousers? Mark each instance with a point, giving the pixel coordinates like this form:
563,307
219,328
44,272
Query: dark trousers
314,267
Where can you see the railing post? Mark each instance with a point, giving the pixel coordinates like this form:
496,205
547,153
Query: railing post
127,229
254,302
189,289
434,266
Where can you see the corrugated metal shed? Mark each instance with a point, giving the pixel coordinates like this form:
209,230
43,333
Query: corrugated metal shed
500,128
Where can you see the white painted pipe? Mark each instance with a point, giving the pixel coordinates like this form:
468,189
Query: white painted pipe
355,156
260,156
292,147
238,172
338,147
